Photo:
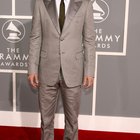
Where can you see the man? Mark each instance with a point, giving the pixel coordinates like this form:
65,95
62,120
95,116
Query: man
61,55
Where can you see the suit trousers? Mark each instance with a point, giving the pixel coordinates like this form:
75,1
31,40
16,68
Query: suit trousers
48,96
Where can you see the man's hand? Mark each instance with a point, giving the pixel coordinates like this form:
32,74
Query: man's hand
33,79
88,81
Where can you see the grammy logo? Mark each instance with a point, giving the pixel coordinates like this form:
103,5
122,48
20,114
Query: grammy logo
14,33
98,11
101,10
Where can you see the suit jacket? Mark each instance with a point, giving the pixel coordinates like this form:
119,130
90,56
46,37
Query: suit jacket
73,49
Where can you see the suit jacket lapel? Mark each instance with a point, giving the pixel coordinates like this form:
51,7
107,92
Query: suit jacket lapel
74,6
51,8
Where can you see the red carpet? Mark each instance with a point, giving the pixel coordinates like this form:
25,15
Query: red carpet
22,133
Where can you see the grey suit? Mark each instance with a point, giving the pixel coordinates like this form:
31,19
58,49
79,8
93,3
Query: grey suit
72,50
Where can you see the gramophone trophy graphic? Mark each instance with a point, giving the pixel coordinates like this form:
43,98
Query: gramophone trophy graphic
98,11
101,10
14,33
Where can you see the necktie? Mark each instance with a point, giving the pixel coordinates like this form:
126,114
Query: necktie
62,14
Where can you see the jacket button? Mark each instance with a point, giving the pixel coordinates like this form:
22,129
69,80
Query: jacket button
61,39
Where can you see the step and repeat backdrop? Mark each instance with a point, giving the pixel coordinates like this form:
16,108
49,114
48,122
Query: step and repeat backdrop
112,104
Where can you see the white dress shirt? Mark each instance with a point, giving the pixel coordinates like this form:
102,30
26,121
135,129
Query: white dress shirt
58,5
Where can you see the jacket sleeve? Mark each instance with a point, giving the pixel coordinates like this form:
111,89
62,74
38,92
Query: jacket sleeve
35,41
89,41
